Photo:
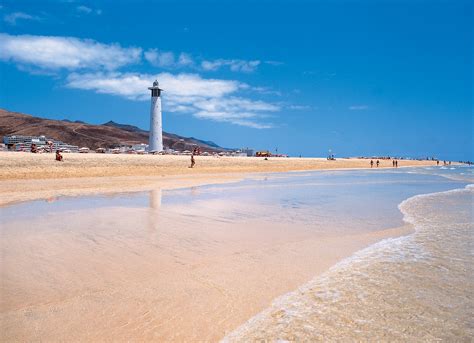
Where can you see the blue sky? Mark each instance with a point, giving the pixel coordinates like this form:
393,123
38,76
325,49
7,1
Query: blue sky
357,77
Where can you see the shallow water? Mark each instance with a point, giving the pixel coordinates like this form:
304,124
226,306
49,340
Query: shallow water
147,265
348,200
412,288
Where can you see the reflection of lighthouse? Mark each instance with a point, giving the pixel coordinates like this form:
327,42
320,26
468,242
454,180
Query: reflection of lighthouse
154,214
156,129
155,199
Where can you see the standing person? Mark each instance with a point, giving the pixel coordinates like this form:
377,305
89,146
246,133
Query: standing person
377,163
193,162
371,163
396,163
437,162
393,163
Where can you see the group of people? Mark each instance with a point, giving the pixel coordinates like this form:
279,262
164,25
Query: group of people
44,148
394,163
34,149
196,151
372,163
448,163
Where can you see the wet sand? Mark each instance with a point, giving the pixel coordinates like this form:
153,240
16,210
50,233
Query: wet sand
14,191
121,274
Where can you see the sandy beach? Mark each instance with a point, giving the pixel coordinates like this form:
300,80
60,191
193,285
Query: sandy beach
102,271
219,171
26,176
160,271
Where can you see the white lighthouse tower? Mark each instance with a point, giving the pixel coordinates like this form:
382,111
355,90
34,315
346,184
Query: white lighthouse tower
156,128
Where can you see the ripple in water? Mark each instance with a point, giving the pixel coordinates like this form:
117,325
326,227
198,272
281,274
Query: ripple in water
417,287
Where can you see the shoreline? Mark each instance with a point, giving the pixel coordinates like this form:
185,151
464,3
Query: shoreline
19,191
282,306
28,177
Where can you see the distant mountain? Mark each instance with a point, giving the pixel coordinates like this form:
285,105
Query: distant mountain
126,127
110,134
193,140
76,121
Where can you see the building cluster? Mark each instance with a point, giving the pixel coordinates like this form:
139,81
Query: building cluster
38,143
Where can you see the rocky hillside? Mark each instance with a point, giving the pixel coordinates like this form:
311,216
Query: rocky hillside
78,133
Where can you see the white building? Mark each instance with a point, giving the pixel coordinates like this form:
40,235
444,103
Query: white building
156,128
19,142
140,147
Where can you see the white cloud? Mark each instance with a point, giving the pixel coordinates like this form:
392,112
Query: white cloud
185,59
84,9
299,107
188,85
130,86
87,10
185,87
166,59
212,99
266,90
234,65
274,63
358,107
51,52
159,58
55,52
13,17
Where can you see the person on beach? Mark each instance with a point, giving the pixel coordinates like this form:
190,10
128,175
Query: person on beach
193,162
371,163
437,162
396,163
377,163
59,157
393,163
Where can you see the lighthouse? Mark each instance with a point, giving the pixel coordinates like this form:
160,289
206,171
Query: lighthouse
156,129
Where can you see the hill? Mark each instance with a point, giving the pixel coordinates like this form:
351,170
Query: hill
78,133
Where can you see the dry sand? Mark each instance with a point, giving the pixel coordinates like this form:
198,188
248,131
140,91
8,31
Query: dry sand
26,176
42,166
